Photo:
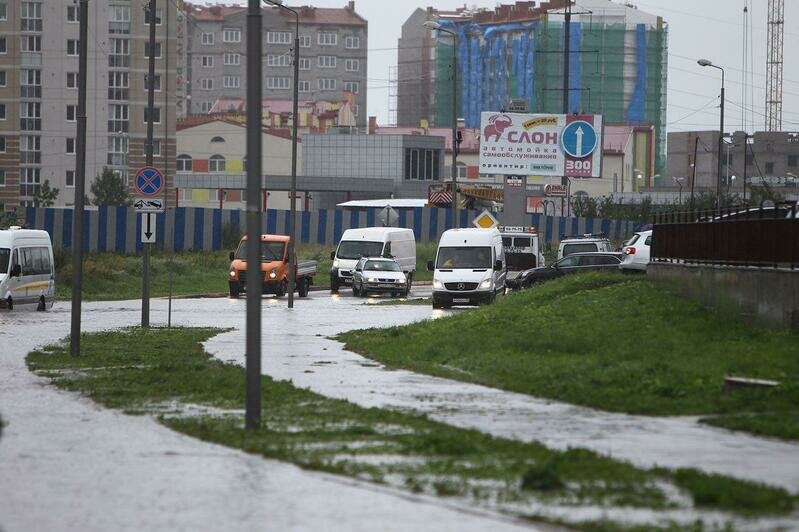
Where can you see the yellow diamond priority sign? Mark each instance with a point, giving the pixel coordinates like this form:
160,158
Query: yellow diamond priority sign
485,221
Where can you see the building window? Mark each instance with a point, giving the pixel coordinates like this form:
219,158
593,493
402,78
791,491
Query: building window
2,111
72,80
73,14
3,11
29,180
3,48
156,115
305,41
327,38
278,37
277,83
231,82
2,144
2,178
352,65
119,20
304,86
421,164
351,86
207,84
232,59
352,43
183,163
157,50
216,163
158,14
156,82
156,148
231,35
305,63
793,160
118,118
72,113
769,168
31,43
70,178
278,60
207,61
30,149
73,46
119,55
31,16
326,84
117,150
208,39
118,85
70,145
31,83
205,107
3,80
30,116
326,61
218,139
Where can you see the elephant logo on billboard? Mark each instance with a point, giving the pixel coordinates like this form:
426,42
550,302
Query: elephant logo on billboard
496,125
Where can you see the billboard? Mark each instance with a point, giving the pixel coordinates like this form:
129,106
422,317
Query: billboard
541,144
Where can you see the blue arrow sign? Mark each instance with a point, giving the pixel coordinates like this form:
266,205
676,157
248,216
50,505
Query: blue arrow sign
579,139
149,181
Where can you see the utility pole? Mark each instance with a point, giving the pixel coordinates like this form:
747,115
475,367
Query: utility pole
145,280
252,414
80,180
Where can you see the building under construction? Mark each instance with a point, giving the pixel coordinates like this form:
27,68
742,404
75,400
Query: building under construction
617,66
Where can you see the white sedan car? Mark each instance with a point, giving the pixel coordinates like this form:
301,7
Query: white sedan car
376,274
636,252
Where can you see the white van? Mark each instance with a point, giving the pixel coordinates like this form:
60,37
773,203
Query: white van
583,244
27,269
394,242
469,268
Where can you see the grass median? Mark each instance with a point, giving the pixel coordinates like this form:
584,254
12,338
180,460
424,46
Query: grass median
165,372
610,342
115,276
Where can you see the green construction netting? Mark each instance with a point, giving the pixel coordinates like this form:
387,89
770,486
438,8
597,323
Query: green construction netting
443,96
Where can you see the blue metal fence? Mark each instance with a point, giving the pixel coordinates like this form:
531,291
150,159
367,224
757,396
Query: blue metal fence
117,229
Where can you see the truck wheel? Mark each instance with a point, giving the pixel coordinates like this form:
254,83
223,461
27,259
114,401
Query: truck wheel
281,289
10,303
410,283
355,290
42,304
234,290
305,286
333,285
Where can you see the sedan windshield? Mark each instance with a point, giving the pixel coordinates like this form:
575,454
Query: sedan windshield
355,249
464,258
381,266
5,255
269,251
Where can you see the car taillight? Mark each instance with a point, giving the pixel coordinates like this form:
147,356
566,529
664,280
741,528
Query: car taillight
630,250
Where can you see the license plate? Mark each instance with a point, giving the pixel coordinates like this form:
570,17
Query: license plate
386,285
460,300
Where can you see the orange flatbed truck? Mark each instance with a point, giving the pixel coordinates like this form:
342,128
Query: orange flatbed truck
274,268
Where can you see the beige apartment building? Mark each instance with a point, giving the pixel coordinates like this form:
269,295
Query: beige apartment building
39,46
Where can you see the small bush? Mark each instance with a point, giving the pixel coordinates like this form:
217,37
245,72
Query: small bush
542,477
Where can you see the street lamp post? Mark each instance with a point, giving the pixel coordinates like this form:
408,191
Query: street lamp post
679,181
707,63
433,25
294,120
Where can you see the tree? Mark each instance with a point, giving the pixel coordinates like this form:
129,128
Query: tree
109,189
45,196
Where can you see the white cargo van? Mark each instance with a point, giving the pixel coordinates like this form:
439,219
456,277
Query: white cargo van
27,270
469,268
393,242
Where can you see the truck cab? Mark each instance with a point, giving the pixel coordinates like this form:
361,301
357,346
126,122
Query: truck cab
274,269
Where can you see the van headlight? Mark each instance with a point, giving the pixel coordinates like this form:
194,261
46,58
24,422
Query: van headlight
335,263
486,284
232,274
371,280
437,285
272,274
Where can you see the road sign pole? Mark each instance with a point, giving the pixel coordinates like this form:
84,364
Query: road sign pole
145,284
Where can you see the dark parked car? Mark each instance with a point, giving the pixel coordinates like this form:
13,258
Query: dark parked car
574,263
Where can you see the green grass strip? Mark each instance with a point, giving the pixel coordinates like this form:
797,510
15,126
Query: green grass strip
162,371
606,341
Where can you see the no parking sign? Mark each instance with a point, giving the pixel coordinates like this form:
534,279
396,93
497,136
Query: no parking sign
148,182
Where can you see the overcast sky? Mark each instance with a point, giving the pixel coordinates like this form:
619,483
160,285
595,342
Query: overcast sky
697,28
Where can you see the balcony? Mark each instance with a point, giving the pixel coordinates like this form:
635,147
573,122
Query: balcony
31,59
119,28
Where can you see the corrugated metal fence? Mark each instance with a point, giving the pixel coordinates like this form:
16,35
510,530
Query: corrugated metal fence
118,229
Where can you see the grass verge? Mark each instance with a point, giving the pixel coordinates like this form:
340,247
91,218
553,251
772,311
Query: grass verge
164,371
114,276
610,342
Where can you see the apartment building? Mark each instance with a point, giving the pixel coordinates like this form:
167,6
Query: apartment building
333,45
39,47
